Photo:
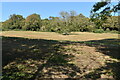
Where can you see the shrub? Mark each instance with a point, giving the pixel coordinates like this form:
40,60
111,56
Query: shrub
114,31
107,30
90,28
98,31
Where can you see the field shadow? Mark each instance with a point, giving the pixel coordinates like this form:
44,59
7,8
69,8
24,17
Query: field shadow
109,47
36,59
32,59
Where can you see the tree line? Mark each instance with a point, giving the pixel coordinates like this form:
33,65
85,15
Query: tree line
68,21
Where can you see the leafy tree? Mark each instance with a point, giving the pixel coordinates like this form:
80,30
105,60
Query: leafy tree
111,23
14,22
32,22
45,25
98,16
64,15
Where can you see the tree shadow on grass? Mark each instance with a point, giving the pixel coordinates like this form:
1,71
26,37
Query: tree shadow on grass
23,48
25,59
109,47
109,72
36,59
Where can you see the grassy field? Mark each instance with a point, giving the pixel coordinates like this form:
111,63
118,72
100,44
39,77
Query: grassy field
31,55
75,36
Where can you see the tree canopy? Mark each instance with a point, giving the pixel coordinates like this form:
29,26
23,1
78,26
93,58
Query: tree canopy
101,19
103,10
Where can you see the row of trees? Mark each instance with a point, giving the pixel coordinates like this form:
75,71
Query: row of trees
32,22
67,22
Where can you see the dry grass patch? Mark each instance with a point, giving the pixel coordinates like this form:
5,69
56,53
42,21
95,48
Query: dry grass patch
76,36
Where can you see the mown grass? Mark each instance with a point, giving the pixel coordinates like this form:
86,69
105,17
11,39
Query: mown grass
26,58
30,59
75,36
